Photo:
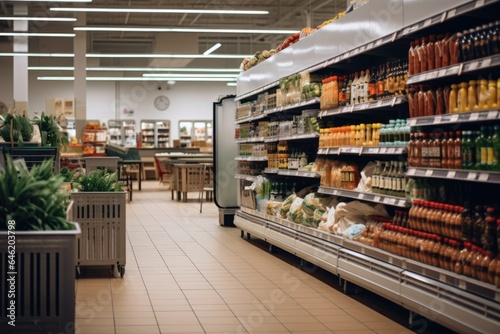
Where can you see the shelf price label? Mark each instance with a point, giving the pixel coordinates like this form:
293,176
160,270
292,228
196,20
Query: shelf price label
451,174
471,176
484,177
492,114
429,172
486,62
376,199
474,116
361,196
479,3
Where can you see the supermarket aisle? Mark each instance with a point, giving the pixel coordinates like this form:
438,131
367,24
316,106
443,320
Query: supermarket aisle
187,274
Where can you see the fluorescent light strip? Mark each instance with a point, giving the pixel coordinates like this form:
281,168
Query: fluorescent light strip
201,30
160,11
50,0
135,69
211,75
212,49
232,84
31,54
97,55
46,19
36,34
154,55
173,78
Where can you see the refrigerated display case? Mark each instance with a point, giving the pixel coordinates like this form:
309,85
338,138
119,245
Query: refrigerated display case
115,132
195,131
155,133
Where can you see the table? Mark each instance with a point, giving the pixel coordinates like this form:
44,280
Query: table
133,162
186,177
186,157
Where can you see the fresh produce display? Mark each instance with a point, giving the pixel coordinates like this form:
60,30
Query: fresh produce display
33,199
16,128
258,57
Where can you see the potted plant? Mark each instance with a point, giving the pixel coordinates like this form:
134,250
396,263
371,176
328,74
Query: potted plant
39,244
51,132
16,129
99,205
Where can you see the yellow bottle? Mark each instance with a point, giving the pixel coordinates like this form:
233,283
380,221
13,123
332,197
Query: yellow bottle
453,98
483,94
369,141
362,135
492,98
352,139
462,104
472,98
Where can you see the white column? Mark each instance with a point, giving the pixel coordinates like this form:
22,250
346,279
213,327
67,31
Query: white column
80,74
20,63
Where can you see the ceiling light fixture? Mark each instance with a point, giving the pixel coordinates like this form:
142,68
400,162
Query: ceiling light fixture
164,55
160,11
135,69
187,30
183,75
140,55
50,0
172,78
212,49
45,19
33,54
36,34
232,84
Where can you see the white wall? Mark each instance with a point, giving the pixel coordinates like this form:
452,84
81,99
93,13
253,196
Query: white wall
107,100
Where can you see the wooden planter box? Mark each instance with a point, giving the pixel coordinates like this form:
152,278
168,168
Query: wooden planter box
44,281
102,218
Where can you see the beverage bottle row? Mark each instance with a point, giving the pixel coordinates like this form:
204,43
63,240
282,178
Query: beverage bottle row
438,218
350,135
365,86
396,133
476,150
436,51
481,227
388,178
467,96
448,254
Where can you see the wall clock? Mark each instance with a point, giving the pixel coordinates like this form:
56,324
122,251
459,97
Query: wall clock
162,102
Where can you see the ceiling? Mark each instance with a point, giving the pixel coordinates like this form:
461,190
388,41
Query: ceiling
291,14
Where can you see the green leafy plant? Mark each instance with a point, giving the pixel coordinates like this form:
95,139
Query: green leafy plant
70,175
22,129
50,128
33,199
98,180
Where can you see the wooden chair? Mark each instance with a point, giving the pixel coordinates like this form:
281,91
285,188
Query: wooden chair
207,183
163,171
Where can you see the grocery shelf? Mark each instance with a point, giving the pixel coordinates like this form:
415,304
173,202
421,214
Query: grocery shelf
309,102
250,140
471,306
250,158
257,91
370,197
271,170
456,174
449,14
363,150
298,173
382,103
250,118
245,177
310,135
467,117
458,69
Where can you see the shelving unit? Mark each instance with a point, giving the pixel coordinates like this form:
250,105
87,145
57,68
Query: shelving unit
122,132
195,131
94,142
155,133
465,304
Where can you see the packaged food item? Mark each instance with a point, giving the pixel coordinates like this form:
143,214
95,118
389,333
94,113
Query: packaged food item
285,207
296,213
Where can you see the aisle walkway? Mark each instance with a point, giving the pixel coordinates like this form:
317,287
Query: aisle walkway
187,274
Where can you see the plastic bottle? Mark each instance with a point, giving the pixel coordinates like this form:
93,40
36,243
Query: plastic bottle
453,100
483,94
492,94
471,96
462,104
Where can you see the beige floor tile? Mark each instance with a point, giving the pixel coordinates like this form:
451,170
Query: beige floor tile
95,322
211,307
305,328
347,325
144,321
355,332
213,313
401,330
132,308
228,320
381,325
305,319
194,285
166,294
84,329
120,315
177,329
169,307
176,318
137,329
224,328
88,314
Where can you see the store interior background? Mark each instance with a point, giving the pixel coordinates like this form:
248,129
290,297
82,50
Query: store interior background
107,100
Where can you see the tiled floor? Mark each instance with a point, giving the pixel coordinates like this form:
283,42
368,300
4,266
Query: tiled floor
187,274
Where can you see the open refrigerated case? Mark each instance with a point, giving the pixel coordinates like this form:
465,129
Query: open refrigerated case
225,149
